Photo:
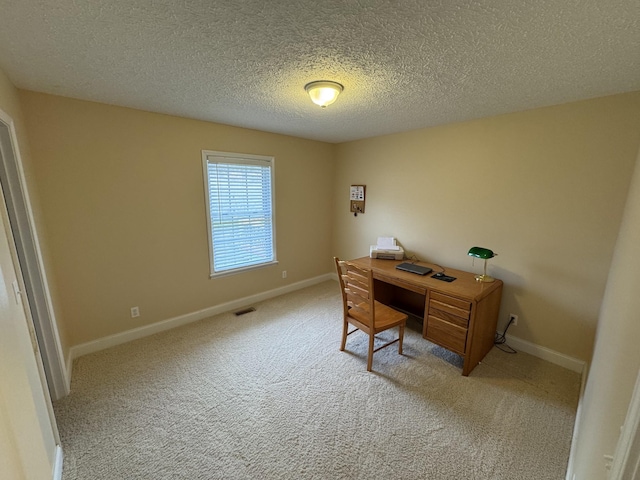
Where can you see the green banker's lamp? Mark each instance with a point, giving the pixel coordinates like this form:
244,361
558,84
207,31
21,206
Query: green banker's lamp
485,254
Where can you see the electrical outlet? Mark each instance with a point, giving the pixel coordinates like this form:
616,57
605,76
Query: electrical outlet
284,274
135,312
514,317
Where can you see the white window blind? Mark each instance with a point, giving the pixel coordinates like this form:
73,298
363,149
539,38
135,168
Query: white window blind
240,211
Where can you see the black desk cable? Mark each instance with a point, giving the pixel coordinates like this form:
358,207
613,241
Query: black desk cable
413,259
501,339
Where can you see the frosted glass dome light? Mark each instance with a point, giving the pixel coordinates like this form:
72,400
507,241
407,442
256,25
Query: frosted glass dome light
323,93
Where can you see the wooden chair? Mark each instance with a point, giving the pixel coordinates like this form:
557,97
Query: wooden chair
363,311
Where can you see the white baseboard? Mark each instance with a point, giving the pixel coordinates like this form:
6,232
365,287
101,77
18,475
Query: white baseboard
69,362
547,354
141,332
574,439
57,466
163,325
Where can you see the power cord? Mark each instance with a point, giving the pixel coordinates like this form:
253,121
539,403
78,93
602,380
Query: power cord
501,339
414,259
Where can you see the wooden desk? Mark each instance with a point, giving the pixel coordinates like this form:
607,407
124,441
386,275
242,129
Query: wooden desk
460,316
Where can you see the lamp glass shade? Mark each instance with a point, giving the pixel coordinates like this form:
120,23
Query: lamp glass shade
323,93
480,252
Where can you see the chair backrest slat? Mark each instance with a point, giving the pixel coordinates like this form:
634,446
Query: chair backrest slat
353,299
356,285
358,289
358,277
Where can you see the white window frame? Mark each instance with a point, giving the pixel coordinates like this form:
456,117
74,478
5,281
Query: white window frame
211,156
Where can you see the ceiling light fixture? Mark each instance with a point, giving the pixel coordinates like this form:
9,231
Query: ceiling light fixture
323,93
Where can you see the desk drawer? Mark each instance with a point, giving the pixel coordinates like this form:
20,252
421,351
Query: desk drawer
446,334
400,283
450,309
447,316
457,303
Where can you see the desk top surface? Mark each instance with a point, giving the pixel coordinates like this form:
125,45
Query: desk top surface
465,284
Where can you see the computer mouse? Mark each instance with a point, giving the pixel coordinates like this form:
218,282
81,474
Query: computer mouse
439,274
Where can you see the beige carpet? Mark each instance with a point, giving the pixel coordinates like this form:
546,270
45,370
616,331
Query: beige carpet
268,395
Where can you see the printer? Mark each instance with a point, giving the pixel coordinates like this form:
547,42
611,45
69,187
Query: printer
387,249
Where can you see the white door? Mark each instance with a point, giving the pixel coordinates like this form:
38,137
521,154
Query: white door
29,444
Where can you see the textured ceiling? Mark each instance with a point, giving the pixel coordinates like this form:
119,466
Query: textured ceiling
404,64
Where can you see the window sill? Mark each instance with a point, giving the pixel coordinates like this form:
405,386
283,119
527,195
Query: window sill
235,271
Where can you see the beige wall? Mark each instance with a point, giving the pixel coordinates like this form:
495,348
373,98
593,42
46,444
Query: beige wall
123,201
545,189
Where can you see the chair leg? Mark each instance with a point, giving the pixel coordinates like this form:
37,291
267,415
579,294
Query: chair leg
400,338
345,329
370,357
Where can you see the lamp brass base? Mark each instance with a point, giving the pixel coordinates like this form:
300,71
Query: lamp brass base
484,278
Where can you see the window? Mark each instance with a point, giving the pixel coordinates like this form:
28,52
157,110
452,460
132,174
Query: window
240,211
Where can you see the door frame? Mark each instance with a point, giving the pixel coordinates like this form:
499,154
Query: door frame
31,261
626,459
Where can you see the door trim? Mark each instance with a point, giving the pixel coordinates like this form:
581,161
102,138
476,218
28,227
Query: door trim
30,256
626,459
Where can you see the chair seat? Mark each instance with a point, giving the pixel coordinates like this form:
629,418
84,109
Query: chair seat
386,317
